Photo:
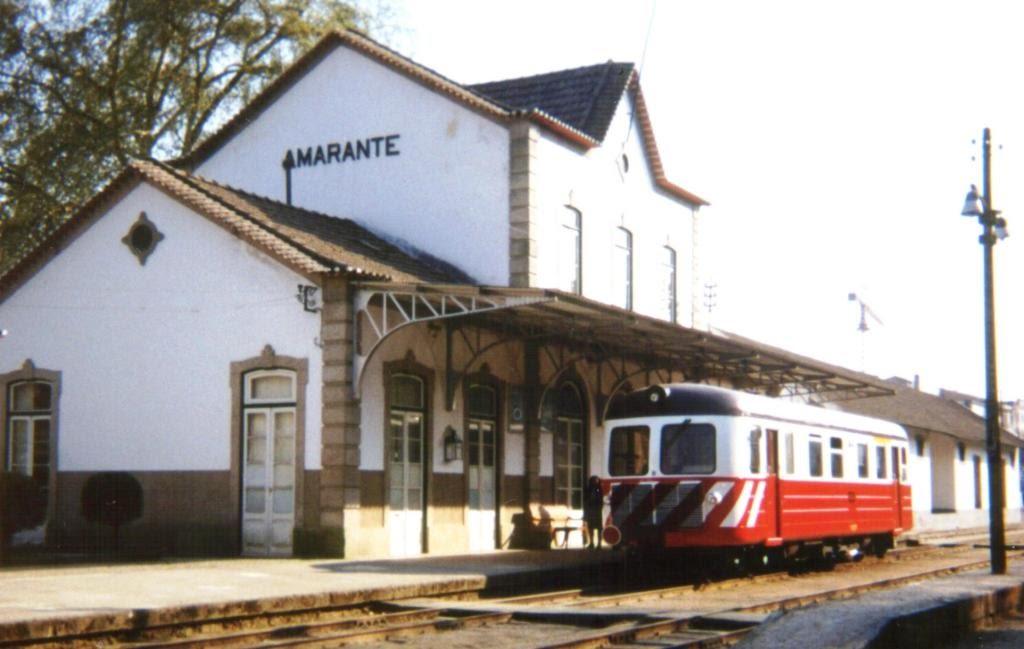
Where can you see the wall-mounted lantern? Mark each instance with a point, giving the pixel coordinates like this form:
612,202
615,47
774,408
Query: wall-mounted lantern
452,445
307,296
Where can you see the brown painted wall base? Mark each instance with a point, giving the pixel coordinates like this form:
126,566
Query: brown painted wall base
184,513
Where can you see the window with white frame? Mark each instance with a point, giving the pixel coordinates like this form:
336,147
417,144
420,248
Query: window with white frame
29,427
836,453
569,448
814,457
622,269
755,449
790,454
570,251
668,281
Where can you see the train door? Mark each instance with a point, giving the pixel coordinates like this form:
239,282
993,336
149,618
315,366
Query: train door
774,483
897,481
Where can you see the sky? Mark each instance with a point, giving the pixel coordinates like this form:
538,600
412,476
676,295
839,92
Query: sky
835,142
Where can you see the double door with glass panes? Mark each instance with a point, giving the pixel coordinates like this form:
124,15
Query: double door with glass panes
481,476
405,483
268,475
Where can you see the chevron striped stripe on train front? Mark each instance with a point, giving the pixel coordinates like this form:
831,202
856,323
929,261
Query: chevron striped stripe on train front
680,505
656,504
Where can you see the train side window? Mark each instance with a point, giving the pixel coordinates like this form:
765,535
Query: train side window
903,465
790,454
895,462
755,449
688,448
814,456
629,450
836,447
862,460
880,462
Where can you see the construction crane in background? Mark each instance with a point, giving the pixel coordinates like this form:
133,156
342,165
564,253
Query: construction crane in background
865,313
862,327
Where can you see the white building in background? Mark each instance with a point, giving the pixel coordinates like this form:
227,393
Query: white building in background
1011,413
379,313
948,458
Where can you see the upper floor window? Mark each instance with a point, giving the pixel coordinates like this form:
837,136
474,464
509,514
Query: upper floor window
622,269
570,251
668,281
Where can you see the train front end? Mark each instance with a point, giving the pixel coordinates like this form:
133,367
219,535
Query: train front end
677,474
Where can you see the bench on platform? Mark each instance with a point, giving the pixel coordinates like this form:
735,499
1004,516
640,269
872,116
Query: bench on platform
559,520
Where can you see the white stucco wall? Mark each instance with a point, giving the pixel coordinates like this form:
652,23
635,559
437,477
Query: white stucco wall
145,351
966,484
608,197
919,467
446,191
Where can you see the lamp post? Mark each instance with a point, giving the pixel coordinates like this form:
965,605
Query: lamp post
993,228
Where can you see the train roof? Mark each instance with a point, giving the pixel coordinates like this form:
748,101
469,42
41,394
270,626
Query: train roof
671,399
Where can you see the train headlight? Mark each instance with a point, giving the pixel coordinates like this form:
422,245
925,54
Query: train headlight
611,535
713,499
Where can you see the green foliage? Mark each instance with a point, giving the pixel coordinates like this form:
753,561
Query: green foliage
87,86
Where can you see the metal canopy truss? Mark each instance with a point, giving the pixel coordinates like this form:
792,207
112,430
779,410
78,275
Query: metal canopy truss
570,328
385,308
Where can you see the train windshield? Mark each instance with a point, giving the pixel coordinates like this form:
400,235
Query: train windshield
687,448
629,450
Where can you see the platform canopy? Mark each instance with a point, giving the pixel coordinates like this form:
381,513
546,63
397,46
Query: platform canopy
602,333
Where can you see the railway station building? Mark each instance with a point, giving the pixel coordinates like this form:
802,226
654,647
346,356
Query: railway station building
378,313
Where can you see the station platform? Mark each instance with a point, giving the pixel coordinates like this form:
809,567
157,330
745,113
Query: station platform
41,602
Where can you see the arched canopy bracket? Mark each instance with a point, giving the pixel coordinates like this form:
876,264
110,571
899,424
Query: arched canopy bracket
476,344
381,309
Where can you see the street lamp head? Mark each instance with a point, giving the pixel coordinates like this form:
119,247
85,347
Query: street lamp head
1000,229
973,205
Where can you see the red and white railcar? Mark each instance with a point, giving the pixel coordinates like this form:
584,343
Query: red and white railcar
696,466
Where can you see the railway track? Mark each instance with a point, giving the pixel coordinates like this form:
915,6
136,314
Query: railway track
693,614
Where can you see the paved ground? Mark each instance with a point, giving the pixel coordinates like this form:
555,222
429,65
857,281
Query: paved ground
45,600
928,614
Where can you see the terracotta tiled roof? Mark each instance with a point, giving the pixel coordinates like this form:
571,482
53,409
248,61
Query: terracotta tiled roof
318,242
309,242
927,412
585,98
